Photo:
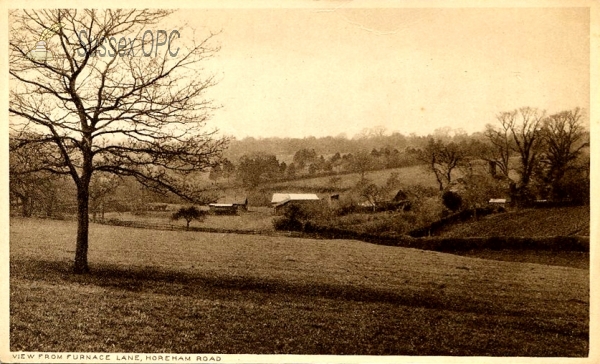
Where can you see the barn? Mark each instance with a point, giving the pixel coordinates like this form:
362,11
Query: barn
281,200
227,207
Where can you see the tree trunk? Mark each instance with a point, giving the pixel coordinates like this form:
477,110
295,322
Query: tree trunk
26,206
50,206
81,251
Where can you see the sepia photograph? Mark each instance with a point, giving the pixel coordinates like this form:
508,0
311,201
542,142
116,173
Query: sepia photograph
298,181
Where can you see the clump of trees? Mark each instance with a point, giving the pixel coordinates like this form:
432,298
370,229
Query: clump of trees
546,148
258,168
532,155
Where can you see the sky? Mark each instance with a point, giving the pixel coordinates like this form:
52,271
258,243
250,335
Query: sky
327,71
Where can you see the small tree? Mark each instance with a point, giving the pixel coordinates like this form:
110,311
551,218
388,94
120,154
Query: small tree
374,194
361,163
189,214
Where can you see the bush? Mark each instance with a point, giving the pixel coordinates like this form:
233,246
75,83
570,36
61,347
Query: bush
284,223
292,219
452,200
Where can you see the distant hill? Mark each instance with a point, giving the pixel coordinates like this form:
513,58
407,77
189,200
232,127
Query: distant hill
563,221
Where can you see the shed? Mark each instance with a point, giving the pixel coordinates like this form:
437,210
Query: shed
281,200
228,207
223,209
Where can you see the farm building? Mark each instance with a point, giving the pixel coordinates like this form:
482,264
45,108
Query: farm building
228,207
281,200
400,201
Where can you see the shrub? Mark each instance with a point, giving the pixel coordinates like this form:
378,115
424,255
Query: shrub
292,219
348,204
284,223
452,200
427,210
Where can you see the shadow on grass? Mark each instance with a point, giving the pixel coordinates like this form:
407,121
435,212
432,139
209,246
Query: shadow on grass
203,284
571,259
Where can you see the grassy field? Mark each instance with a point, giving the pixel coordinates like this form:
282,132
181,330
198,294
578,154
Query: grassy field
182,292
256,218
563,221
408,176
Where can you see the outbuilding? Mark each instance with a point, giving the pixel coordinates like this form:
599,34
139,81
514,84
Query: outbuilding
280,201
228,207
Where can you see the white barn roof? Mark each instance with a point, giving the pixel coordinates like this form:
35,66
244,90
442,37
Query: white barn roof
279,198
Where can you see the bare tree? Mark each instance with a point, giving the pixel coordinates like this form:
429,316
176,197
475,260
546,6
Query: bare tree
564,137
442,159
519,133
95,94
501,144
528,141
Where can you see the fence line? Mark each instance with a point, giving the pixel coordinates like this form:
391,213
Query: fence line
157,226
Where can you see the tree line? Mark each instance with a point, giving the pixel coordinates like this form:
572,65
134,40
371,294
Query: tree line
531,154
258,168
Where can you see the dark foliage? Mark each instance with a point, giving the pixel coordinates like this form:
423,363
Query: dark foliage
292,219
452,200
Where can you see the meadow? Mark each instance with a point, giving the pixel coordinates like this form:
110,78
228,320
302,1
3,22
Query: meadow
255,219
556,221
407,176
183,292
